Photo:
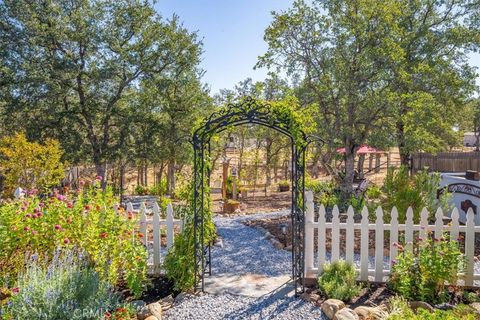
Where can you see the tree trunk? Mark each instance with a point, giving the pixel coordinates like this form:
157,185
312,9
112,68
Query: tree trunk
347,181
402,145
361,161
171,177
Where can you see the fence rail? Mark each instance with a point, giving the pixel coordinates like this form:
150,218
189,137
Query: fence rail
159,226
315,260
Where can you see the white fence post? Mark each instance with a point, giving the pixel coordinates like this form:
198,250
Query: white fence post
379,245
439,224
455,225
349,236
156,238
143,224
364,245
409,230
309,212
393,236
321,242
169,224
469,247
335,234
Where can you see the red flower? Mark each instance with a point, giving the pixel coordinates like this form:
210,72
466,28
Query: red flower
27,228
88,207
103,235
70,205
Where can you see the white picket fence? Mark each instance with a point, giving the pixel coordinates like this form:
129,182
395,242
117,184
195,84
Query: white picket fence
159,226
315,260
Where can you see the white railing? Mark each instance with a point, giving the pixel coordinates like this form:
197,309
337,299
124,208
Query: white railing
315,260
159,227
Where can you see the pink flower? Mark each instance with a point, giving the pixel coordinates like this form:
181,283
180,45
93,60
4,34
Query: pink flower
27,228
59,197
87,207
34,232
66,241
39,215
70,205
34,216
82,183
28,215
394,261
15,290
36,210
58,227
99,178
41,204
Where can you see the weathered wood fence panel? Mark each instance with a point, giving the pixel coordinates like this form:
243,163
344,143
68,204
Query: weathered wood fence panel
446,161
374,262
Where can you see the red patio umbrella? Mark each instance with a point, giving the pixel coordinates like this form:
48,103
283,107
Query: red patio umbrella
364,149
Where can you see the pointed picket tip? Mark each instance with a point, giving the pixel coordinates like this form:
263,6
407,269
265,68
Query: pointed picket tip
379,213
335,211
169,211
394,213
439,214
309,195
424,215
156,210
455,215
409,214
350,212
470,216
321,208
365,215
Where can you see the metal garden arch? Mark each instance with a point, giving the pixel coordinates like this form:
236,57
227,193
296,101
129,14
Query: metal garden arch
250,111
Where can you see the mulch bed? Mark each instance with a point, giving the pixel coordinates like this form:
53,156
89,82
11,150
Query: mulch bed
273,225
373,294
158,288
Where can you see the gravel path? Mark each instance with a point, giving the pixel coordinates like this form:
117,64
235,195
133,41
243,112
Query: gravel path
245,251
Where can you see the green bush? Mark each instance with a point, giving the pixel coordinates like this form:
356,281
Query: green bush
398,309
85,220
159,189
423,274
417,191
338,281
66,289
30,165
141,190
179,263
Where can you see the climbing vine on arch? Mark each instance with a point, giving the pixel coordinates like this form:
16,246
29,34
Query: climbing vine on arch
189,259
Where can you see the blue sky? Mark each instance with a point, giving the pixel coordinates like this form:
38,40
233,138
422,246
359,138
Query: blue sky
232,33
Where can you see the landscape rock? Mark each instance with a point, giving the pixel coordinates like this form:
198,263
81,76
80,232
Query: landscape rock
331,306
346,314
476,306
166,302
364,312
138,304
143,313
414,305
155,309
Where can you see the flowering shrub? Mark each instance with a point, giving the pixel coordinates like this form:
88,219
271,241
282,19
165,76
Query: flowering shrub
84,220
65,289
423,273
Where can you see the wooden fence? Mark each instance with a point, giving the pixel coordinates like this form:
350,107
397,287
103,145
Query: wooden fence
316,231
446,162
159,226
